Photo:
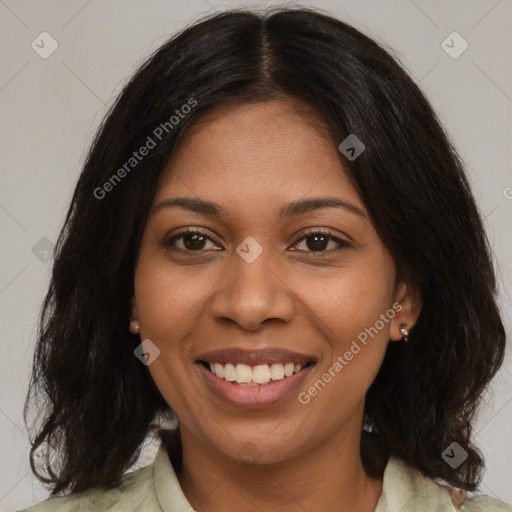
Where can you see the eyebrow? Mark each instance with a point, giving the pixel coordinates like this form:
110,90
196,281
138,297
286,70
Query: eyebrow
293,209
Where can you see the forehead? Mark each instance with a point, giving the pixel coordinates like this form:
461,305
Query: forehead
257,154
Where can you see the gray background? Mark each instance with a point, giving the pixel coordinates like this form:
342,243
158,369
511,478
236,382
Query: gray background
51,107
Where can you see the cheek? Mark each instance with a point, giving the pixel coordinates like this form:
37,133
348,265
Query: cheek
168,303
168,297
354,307
352,311
347,302
355,342
166,309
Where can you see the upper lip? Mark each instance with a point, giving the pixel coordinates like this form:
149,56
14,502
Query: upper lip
254,357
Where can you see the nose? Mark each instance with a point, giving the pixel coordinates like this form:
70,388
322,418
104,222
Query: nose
253,293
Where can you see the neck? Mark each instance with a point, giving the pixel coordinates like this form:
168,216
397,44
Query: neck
327,477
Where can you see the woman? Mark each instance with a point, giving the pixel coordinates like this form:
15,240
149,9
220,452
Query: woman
273,240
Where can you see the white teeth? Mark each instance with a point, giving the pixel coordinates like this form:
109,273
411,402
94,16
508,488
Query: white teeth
288,369
261,374
229,372
277,371
243,373
246,375
219,370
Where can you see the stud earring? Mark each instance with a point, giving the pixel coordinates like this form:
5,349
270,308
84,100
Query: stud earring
404,331
134,327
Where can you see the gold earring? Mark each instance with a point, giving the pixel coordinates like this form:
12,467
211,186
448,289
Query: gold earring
134,327
404,331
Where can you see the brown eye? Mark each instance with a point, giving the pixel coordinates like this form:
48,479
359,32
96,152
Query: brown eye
189,241
318,241
193,242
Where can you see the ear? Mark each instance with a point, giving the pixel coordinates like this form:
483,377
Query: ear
408,308
134,318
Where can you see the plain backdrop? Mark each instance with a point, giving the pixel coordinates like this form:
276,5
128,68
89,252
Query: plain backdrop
50,108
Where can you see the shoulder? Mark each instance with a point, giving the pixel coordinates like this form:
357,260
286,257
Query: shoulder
485,503
135,493
154,488
408,490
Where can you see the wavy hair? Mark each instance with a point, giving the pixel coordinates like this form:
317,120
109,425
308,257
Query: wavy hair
96,403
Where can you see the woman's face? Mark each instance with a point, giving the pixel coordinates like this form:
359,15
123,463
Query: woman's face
293,298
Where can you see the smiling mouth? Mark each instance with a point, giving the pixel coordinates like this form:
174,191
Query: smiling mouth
258,375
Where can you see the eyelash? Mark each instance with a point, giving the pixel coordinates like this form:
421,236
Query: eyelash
168,243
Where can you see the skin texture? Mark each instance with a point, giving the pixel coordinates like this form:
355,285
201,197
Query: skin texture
252,159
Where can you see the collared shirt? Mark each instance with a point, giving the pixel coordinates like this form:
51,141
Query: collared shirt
155,488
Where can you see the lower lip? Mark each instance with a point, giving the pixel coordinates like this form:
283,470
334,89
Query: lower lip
253,397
